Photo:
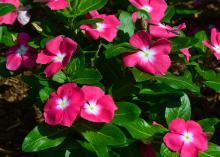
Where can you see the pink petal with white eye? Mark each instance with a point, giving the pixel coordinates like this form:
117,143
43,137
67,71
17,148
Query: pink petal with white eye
44,57
140,40
53,46
130,59
173,141
92,93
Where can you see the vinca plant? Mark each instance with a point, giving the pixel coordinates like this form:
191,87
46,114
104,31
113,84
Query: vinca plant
112,78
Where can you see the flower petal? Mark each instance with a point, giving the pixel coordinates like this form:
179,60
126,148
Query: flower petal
23,38
13,61
92,93
44,57
130,59
29,59
108,34
140,40
57,4
53,46
186,53
189,150
162,47
178,126
65,89
193,127
200,141
173,141
53,68
214,33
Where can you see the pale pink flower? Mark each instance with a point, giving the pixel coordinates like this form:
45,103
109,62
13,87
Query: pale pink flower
58,53
215,43
21,55
10,17
155,8
186,53
165,31
98,107
150,57
186,138
63,106
106,29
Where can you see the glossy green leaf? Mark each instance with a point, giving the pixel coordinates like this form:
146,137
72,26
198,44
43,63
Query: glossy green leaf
143,14
213,151
181,109
126,112
88,5
165,152
86,76
127,25
116,50
44,93
169,14
43,137
6,8
59,77
107,135
208,124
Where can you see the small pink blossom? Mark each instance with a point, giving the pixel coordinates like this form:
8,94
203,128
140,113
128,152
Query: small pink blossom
186,138
55,4
63,106
98,107
10,17
215,43
148,150
106,29
155,8
58,52
151,58
165,31
186,53
21,55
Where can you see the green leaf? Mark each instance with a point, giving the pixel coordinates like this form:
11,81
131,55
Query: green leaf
183,42
182,111
6,8
169,14
88,5
127,25
107,135
140,76
59,77
179,82
143,14
141,130
86,76
44,93
165,152
213,151
89,21
201,36
208,124
43,137
214,84
115,50
126,113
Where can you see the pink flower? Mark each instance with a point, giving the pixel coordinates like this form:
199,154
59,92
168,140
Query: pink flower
98,107
10,17
58,52
165,31
148,150
21,55
186,53
55,4
215,40
186,138
63,106
155,8
106,29
151,58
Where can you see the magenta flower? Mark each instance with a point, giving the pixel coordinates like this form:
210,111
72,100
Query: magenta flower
58,52
63,106
215,40
186,53
98,107
186,138
106,29
21,55
55,4
151,58
10,17
155,8
165,31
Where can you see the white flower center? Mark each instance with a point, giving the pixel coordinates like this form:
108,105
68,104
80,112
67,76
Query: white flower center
147,8
162,26
99,26
59,57
92,108
187,137
146,55
62,103
217,48
22,50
